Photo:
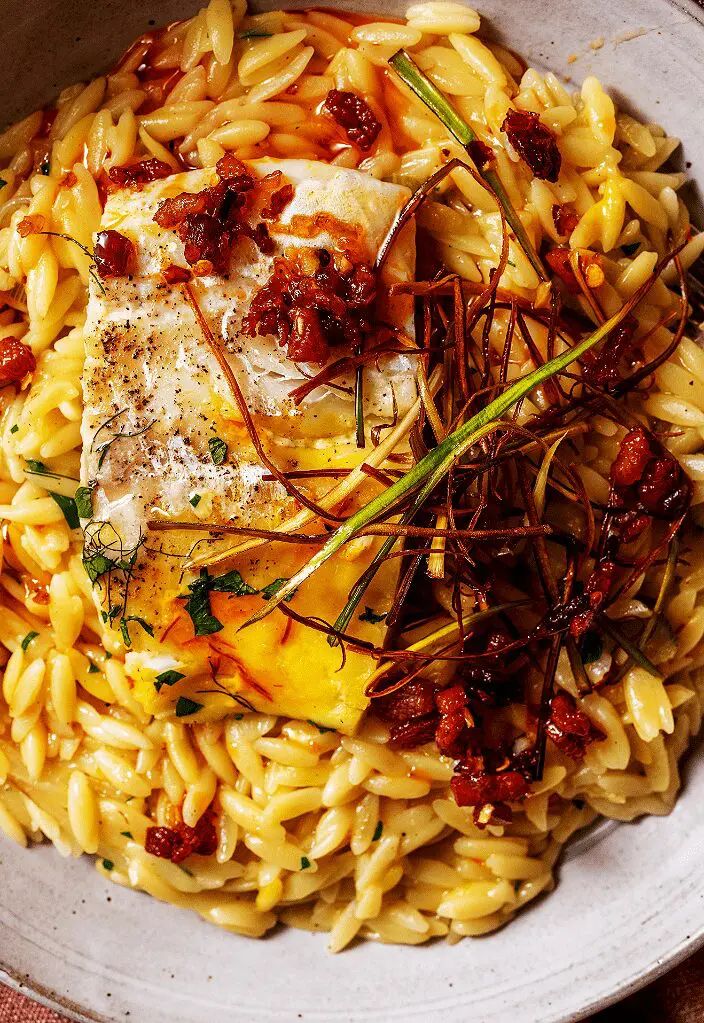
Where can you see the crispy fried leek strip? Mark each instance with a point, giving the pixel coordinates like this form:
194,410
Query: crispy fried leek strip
430,470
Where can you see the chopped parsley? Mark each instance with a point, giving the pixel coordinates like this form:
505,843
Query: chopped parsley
127,834
108,865
370,615
28,639
198,603
15,428
96,566
167,678
255,33
2,182
218,450
124,627
305,863
591,647
184,707
68,507
195,500
93,669
238,717
35,466
378,831
84,502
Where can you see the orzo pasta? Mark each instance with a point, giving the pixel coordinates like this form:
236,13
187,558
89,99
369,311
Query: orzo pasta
486,629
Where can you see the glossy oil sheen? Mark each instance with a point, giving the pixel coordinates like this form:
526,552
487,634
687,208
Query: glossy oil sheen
630,898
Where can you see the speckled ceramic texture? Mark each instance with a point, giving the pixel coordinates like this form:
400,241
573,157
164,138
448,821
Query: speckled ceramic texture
630,899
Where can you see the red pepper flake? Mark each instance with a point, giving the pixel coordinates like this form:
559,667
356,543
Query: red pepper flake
16,361
355,116
565,218
534,142
113,254
68,180
570,728
137,175
176,274
176,844
34,224
309,313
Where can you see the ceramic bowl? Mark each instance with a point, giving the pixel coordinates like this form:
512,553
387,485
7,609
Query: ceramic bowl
630,898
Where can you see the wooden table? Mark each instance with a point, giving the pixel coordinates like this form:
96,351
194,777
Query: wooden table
678,997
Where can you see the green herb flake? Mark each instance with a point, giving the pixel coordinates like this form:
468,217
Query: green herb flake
68,507
2,182
254,33
167,678
127,834
591,647
630,250
35,466
305,863
198,606
97,565
321,728
45,168
93,669
238,717
28,639
108,865
186,707
84,502
195,500
218,450
231,582
124,628
15,428
378,831
370,615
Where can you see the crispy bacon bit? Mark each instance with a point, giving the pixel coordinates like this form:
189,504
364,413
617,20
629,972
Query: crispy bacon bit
354,115
137,175
481,789
565,218
31,225
176,844
657,481
534,142
278,202
633,455
210,222
570,728
16,361
310,312
113,254
415,699
176,274
595,593
481,154
664,491
622,353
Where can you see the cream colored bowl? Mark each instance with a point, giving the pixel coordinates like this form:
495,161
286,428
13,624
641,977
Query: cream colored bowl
630,900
